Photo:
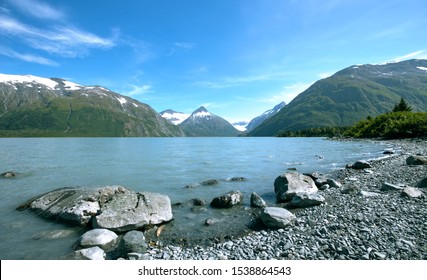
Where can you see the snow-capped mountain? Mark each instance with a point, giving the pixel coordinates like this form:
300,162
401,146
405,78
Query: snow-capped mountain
174,116
38,106
203,123
240,126
267,114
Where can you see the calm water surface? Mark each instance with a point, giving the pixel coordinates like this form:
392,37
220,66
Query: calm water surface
164,165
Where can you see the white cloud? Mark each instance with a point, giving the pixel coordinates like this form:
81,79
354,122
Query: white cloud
288,93
27,57
227,82
138,90
421,54
180,47
58,38
324,75
38,9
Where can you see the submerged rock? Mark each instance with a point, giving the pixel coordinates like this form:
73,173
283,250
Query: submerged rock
8,174
227,200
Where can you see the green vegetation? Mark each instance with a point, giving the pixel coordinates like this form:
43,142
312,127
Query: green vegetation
401,122
333,131
393,125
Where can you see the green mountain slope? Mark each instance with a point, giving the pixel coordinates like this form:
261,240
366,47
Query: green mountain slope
35,106
350,95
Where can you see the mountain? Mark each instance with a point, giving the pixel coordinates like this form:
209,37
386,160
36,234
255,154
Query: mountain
174,116
267,114
37,106
351,95
203,123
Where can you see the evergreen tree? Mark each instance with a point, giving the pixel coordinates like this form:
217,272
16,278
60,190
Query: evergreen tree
402,106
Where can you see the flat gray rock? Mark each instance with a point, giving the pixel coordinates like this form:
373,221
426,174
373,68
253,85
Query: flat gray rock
275,217
112,207
104,238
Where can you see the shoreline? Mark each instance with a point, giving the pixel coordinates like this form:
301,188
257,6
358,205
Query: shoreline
371,224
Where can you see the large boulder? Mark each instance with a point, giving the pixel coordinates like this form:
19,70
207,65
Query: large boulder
416,160
111,207
275,217
290,183
132,210
227,200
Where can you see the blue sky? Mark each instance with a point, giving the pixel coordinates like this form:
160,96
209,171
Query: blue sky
238,58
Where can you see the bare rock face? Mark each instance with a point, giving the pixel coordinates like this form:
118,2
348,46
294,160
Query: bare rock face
134,210
112,207
290,183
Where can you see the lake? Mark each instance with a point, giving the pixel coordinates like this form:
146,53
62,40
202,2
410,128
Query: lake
164,165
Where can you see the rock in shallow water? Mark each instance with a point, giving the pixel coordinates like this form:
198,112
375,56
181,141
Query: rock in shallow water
227,200
104,238
111,207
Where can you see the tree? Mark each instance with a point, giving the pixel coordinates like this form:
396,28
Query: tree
402,106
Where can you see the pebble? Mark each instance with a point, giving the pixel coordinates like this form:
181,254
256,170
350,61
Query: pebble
376,225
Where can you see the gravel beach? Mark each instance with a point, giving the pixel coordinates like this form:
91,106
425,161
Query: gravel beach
359,220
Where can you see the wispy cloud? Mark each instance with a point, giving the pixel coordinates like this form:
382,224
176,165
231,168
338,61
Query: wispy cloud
180,46
38,9
287,94
138,90
421,54
59,38
27,57
227,82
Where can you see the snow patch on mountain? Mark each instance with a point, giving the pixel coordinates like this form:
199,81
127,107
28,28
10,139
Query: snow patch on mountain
174,117
422,68
29,79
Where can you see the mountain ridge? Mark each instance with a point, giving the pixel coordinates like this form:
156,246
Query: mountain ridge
351,95
54,107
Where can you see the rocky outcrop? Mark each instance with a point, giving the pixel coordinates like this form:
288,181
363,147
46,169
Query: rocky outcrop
227,200
111,207
276,217
290,183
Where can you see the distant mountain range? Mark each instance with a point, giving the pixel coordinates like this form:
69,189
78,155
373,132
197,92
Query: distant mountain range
37,106
351,95
203,123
